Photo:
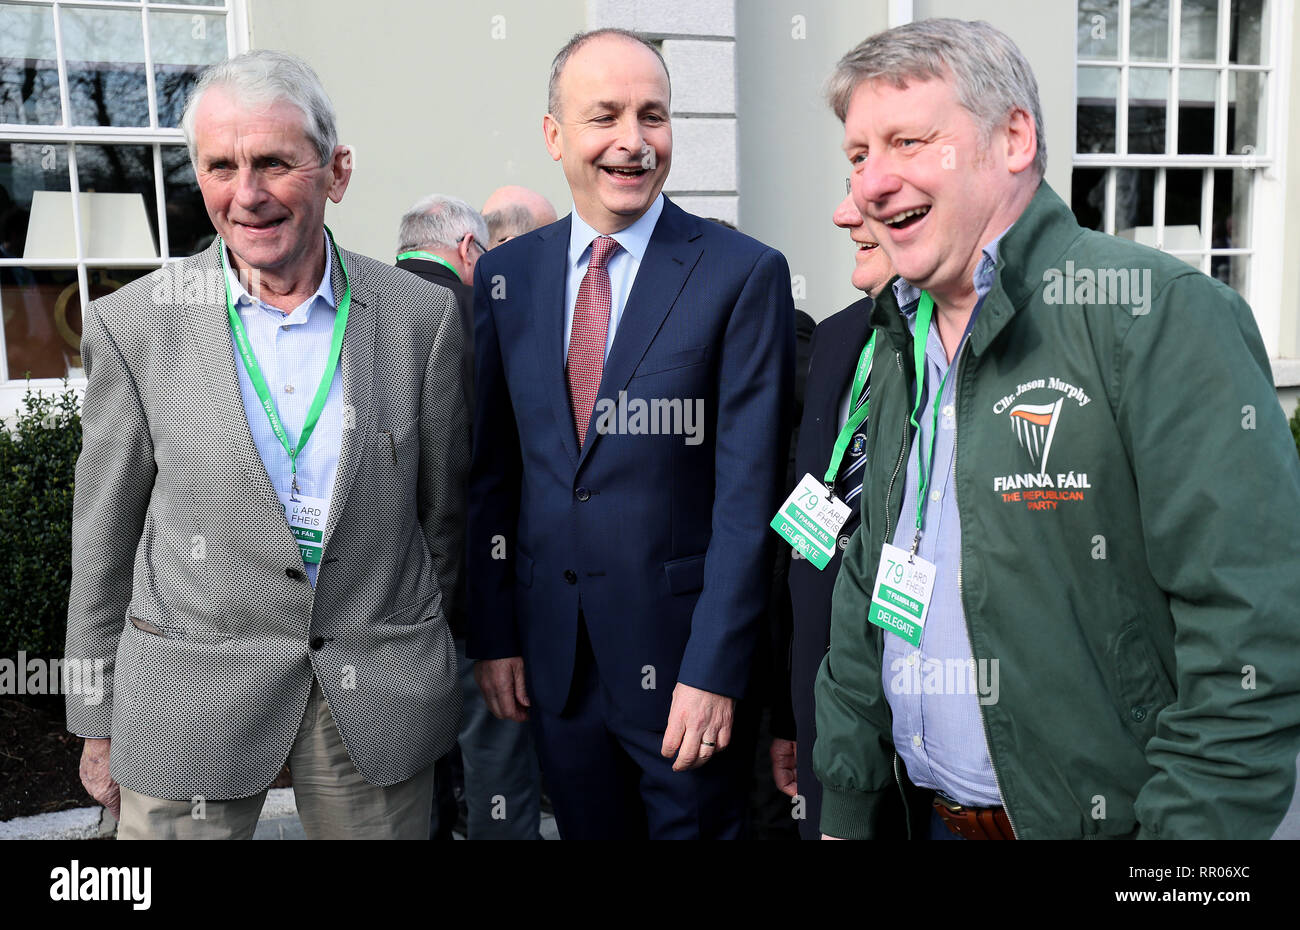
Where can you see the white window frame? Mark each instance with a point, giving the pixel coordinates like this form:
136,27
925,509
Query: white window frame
1264,279
12,389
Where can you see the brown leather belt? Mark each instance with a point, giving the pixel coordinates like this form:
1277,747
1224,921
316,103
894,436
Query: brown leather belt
974,823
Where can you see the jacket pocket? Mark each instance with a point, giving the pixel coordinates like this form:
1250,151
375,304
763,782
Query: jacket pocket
1144,688
685,575
683,358
427,608
153,629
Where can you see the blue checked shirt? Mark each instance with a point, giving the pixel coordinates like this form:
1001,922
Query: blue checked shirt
292,350
939,735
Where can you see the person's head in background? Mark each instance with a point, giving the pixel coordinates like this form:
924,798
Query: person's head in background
513,210
873,269
447,227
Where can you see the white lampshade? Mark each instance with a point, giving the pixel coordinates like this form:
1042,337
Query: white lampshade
112,226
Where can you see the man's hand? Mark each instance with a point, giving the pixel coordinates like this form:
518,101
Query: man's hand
502,684
696,720
94,775
784,753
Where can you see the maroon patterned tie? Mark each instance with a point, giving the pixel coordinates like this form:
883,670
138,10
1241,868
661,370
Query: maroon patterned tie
586,359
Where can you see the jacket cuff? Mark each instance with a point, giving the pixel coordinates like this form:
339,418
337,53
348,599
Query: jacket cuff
849,815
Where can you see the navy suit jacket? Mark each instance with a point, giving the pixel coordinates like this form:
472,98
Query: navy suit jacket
663,544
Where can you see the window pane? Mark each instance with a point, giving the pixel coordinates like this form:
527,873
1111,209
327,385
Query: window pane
1231,208
1088,197
1095,129
1245,112
1149,30
199,2
1097,34
182,44
1148,98
35,223
1248,43
105,62
1196,94
1232,270
119,215
188,227
42,321
1134,199
29,69
35,203
1199,34
1183,208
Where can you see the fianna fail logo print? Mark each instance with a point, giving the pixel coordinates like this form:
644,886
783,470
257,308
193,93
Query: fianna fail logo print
1036,427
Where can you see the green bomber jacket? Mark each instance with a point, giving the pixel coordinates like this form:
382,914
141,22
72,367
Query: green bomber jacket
1130,550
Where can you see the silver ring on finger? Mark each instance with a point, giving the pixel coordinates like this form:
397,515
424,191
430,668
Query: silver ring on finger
708,742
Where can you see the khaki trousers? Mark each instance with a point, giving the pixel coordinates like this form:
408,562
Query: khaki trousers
334,801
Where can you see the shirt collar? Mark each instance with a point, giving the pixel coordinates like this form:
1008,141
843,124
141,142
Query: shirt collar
909,297
634,240
325,292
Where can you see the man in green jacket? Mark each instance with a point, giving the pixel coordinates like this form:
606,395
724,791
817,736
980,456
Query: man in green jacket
1073,606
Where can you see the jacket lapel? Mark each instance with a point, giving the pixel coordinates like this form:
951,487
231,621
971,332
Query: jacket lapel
840,366
214,345
357,367
547,319
669,259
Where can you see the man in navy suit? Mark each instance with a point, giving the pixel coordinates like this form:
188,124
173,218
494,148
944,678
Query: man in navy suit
634,367
837,345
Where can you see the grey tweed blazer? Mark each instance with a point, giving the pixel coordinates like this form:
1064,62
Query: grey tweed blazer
186,580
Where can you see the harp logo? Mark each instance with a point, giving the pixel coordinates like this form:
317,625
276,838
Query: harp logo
1035,427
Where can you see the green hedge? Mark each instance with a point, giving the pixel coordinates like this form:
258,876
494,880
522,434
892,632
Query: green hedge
38,458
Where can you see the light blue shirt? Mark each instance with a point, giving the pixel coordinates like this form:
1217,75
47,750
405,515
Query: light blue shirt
622,266
292,350
940,735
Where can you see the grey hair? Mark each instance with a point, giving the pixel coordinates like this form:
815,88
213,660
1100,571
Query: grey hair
440,222
262,77
514,220
578,41
989,73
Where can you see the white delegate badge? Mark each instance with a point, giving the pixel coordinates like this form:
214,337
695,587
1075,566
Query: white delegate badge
810,519
307,518
901,597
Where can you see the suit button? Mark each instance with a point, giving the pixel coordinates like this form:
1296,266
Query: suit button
843,542
1138,713
317,642
583,495
297,574
570,576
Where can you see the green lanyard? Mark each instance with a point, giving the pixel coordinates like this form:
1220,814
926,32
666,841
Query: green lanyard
255,371
856,416
924,313
430,257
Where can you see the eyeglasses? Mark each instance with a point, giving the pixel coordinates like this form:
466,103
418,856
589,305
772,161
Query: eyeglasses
473,238
848,185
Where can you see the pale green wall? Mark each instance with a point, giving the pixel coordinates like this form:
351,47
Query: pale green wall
430,100
792,168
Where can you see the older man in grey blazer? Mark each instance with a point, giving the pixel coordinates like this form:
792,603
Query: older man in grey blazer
270,500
